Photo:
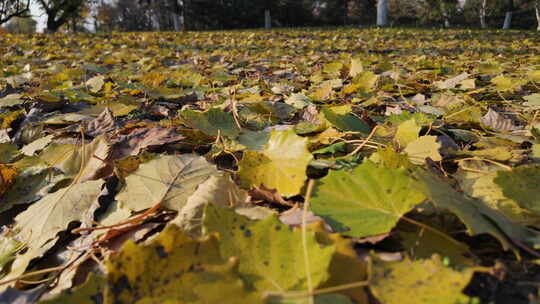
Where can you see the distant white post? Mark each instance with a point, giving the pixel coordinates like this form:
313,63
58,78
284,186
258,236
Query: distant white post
267,19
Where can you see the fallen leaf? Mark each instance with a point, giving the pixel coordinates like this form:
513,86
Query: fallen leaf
452,82
366,201
7,177
213,122
418,282
498,122
271,254
96,83
422,148
281,165
356,67
37,145
140,139
104,123
407,132
521,185
85,162
218,189
168,179
477,217
8,153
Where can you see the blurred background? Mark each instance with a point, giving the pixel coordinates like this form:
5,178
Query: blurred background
178,15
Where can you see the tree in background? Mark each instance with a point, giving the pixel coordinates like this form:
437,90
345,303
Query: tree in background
21,25
169,15
483,9
509,10
537,13
437,11
59,12
13,8
482,13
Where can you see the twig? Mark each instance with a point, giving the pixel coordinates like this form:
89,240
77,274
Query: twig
508,168
33,273
363,143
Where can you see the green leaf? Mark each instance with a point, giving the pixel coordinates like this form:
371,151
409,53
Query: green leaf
346,266
534,75
333,67
281,165
503,83
341,118
92,289
418,282
335,148
332,298
424,243
211,122
482,186
477,217
365,201
172,269
521,185
167,179
365,80
175,268
271,255
8,153
407,132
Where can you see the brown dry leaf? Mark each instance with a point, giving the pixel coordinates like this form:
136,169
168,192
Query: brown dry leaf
498,122
138,140
104,123
7,177
272,196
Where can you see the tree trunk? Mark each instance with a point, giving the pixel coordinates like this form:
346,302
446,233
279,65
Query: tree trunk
178,22
382,12
53,25
155,21
508,15
267,19
507,21
537,11
446,18
177,15
482,13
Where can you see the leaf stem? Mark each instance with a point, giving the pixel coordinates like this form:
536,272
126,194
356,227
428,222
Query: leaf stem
304,239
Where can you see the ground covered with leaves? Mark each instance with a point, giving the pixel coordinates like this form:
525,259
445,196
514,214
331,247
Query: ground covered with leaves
287,166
